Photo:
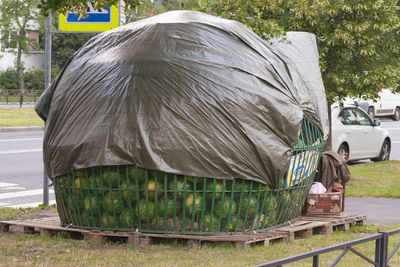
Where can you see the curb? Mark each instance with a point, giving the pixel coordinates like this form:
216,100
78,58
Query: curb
21,129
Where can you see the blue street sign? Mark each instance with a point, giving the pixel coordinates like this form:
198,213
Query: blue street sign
99,19
94,16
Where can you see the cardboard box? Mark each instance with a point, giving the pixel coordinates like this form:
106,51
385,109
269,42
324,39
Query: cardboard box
324,204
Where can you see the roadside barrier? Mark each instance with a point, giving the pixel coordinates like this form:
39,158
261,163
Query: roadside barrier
14,96
382,255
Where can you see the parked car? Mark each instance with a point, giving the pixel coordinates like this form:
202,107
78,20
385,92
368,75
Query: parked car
357,136
387,104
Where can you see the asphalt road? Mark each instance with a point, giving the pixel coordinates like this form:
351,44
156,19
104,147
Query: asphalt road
372,207
394,130
21,174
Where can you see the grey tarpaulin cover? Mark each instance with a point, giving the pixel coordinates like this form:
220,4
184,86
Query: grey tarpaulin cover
182,92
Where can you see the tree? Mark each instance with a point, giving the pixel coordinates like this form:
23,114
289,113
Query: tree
80,7
149,8
18,16
358,41
65,45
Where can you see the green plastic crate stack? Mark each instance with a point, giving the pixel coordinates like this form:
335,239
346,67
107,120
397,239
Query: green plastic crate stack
128,198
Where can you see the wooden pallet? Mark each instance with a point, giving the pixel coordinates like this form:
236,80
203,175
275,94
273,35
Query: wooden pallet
341,221
305,227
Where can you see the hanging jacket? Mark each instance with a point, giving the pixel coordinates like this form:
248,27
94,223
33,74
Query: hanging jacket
332,169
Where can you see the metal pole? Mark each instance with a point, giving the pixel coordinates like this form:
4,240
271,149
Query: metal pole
119,13
47,79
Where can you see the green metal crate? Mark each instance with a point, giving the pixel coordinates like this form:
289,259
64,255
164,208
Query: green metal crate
128,198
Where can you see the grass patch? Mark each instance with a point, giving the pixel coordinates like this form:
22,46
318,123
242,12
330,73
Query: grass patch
378,179
26,213
60,250
20,249
13,117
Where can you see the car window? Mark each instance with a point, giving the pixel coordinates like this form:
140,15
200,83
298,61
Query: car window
362,118
348,117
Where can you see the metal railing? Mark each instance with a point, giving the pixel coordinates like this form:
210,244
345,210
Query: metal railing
382,257
13,96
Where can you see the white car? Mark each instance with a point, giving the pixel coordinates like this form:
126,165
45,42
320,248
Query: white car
388,104
356,136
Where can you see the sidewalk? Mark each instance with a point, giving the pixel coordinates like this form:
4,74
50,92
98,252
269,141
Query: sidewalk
379,211
16,105
21,129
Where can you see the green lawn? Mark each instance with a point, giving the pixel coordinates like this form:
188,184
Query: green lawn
31,250
379,179
13,117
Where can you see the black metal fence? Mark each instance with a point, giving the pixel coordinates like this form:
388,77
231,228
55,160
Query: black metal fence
14,96
382,255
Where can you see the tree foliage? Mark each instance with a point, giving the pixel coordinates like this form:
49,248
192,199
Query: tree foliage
149,8
64,45
358,41
80,7
33,79
17,17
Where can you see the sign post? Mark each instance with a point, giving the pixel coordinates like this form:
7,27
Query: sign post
47,80
98,20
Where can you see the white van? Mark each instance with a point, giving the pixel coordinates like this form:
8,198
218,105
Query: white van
388,104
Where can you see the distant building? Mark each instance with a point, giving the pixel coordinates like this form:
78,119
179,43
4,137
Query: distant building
33,61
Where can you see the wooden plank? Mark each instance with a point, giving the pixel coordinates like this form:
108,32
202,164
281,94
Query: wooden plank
134,240
305,227
29,230
243,245
5,227
96,238
193,243
145,241
45,233
324,230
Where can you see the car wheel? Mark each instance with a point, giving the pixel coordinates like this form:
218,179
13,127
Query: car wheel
385,152
371,112
396,115
344,151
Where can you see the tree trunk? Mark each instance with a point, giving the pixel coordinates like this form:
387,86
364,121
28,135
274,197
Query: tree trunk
328,144
21,85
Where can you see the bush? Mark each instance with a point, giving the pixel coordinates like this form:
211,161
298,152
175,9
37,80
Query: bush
33,79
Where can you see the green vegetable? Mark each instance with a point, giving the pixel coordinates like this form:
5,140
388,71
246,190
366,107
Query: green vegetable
110,177
239,183
141,174
169,207
113,202
235,223
152,188
73,204
197,204
90,203
272,203
143,210
210,222
225,208
109,221
219,186
179,187
157,174
251,203
125,217
79,185
128,193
